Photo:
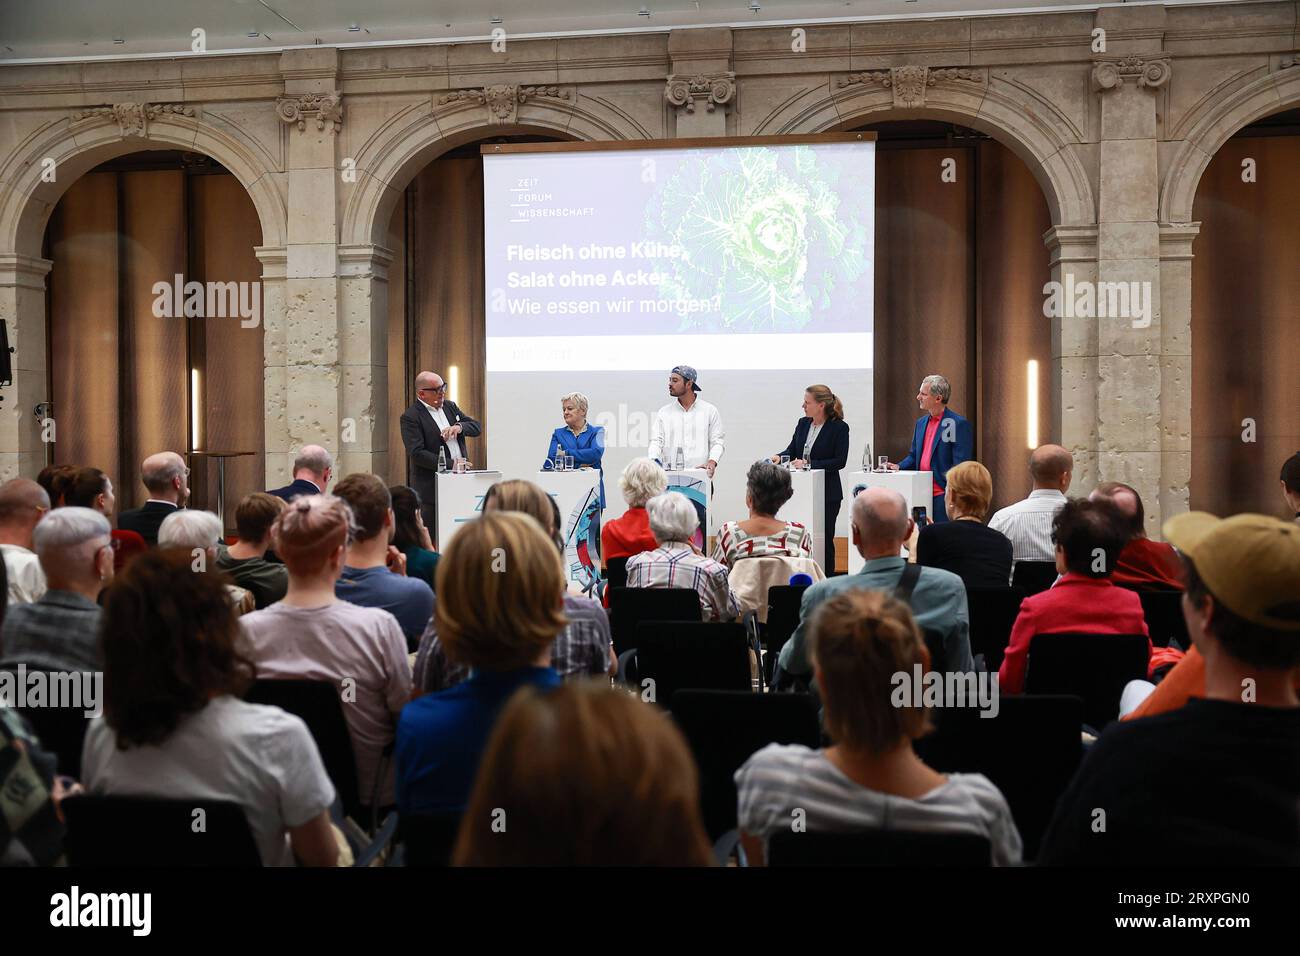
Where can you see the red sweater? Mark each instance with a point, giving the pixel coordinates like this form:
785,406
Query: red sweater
1075,603
1148,564
627,536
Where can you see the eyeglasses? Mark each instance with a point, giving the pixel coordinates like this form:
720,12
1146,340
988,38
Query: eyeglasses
440,388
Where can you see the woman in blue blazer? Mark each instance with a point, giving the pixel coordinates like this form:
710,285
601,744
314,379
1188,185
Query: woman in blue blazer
586,443
822,439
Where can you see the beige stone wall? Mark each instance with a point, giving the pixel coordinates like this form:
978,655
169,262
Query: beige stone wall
325,141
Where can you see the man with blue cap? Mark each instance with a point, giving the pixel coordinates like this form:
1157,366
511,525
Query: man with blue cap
687,425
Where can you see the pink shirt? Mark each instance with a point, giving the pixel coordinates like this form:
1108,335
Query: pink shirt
927,448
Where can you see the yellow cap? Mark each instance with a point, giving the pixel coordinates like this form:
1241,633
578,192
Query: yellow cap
1249,562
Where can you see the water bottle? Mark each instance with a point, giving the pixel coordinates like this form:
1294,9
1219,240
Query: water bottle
442,459
680,461
867,459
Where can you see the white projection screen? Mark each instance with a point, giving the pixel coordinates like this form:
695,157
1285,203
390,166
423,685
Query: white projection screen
604,268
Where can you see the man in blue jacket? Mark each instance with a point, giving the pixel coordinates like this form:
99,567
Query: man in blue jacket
941,439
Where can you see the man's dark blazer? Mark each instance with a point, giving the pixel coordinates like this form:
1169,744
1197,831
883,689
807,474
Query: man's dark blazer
423,441
830,452
946,453
300,486
146,520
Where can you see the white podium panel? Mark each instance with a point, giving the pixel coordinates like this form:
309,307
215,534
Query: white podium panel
914,486
577,494
808,507
460,499
696,485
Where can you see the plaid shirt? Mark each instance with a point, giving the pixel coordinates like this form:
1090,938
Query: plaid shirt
60,632
580,650
676,565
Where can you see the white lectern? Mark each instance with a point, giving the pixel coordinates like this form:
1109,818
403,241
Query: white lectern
808,507
460,499
914,486
577,494
696,485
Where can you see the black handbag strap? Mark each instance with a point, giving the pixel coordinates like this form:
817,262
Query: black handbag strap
907,583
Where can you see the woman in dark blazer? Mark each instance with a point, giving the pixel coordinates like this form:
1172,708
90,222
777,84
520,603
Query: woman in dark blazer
964,545
822,439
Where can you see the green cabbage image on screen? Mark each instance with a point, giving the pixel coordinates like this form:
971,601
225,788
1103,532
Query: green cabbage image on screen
762,229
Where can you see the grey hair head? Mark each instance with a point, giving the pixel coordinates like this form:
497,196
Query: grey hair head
578,399
189,529
642,479
68,528
769,486
938,387
314,458
672,517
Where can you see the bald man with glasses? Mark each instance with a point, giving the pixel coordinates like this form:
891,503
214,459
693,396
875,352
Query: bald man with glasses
433,424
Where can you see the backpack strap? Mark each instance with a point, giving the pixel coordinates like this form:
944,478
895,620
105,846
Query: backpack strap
907,583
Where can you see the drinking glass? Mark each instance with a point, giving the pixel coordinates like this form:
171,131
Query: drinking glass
884,463
785,461
569,461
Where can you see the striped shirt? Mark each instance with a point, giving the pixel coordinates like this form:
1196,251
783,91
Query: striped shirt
793,541
780,779
676,565
1028,524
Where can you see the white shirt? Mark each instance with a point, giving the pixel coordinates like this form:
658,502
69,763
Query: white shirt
26,577
813,432
698,432
1028,524
256,756
440,419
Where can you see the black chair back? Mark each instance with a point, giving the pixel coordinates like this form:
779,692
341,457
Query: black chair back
1033,576
878,848
725,728
122,831
630,606
1164,613
428,838
616,572
317,703
61,730
1094,667
993,612
783,603
679,654
1030,751
934,644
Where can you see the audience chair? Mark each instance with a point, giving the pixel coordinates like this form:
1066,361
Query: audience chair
428,839
752,579
629,606
993,613
1094,667
61,730
152,832
616,572
1033,576
783,603
682,654
879,848
1030,751
726,727
1164,613
938,655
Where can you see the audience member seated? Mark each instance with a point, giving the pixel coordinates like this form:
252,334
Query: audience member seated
31,830
375,572
312,470
629,535
869,778
410,536
676,563
54,479
245,560
1143,564
583,649
587,776
1028,524
500,583
22,505
767,488
174,725
880,525
980,556
200,531
312,634
90,488
165,476
1216,781
1088,537
1291,484
59,632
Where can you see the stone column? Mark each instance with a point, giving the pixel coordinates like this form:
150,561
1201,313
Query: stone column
1072,252
701,90
1175,366
275,381
363,353
22,307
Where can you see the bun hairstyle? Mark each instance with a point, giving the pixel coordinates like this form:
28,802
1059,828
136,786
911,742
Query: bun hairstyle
306,533
824,397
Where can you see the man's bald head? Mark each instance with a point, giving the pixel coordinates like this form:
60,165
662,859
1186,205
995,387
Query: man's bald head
22,503
164,476
427,380
315,464
880,522
429,388
1128,501
1050,466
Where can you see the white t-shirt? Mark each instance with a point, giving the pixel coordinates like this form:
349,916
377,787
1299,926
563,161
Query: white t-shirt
259,757
780,778
26,577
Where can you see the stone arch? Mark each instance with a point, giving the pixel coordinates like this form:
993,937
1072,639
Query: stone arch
1213,126
1020,118
391,159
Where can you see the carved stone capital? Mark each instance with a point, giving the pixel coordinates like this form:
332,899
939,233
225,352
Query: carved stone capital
909,83
133,118
715,89
1290,60
1148,73
325,108
503,99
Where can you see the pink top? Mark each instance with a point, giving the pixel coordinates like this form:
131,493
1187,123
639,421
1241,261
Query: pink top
927,448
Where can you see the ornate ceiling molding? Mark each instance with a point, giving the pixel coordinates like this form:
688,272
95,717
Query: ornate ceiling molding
715,89
326,108
909,83
1148,73
503,99
133,118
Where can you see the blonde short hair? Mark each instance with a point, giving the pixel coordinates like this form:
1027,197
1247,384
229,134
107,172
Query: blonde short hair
971,486
642,479
578,399
500,587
